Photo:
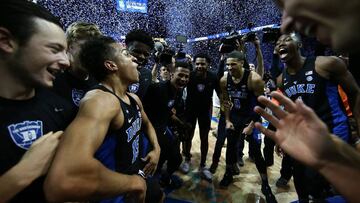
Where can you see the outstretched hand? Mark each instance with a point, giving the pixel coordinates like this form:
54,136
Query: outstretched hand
300,133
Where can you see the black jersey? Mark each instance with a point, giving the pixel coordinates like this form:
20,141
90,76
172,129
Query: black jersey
159,101
120,148
319,94
22,123
354,64
200,91
72,88
242,98
140,88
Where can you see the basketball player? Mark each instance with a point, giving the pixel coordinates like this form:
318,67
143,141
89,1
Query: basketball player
99,156
315,81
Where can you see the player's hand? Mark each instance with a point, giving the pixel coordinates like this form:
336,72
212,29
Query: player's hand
300,133
152,159
41,153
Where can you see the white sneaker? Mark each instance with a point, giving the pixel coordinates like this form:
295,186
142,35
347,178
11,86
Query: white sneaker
185,167
206,174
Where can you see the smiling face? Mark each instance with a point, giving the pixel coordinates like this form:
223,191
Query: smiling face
201,65
287,47
332,21
180,78
234,66
37,62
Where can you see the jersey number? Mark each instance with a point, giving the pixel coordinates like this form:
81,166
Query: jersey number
135,149
237,104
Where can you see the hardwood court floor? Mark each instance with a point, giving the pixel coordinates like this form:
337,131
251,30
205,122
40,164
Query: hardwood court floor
246,187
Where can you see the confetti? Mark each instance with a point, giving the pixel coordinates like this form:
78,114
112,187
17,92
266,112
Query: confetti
168,18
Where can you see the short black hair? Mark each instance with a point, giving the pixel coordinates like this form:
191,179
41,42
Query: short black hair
182,65
139,36
94,52
295,36
236,54
18,17
202,55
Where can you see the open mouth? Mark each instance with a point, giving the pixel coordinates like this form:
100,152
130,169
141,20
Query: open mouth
283,52
53,71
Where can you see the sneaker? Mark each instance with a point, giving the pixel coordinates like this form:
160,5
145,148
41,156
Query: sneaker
241,162
226,181
213,167
269,196
205,174
185,167
282,183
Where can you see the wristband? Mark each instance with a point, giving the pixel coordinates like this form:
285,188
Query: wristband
357,141
142,174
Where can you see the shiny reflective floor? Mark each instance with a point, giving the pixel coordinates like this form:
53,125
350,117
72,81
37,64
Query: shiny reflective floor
245,188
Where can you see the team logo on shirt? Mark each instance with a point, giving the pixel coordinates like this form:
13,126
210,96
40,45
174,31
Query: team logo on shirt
309,72
300,89
200,87
77,95
134,88
25,133
309,78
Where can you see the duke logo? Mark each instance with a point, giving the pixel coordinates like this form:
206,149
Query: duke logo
25,133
